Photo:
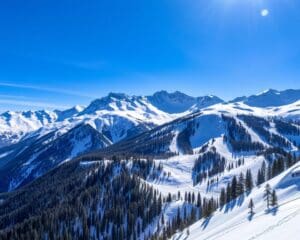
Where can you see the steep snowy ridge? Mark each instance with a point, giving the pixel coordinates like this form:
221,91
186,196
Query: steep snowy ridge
178,145
153,110
114,118
271,98
178,102
190,132
118,118
42,154
15,125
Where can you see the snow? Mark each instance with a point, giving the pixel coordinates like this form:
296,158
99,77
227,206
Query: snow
80,146
180,174
233,221
173,146
285,111
119,113
209,126
177,170
89,163
2,155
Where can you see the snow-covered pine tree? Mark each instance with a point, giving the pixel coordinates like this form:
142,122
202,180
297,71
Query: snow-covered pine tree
274,199
267,195
248,181
251,207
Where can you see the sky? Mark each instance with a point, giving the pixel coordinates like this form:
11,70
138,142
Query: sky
60,53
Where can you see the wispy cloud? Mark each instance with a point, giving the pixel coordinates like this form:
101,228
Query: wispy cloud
30,104
47,89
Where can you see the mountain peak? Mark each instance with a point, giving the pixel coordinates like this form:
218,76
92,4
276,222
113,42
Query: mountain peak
268,91
117,95
271,98
166,94
177,102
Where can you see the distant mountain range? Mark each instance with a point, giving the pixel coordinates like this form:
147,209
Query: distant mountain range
271,98
33,142
150,167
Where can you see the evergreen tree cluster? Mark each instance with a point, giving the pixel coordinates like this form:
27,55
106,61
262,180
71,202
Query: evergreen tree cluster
274,168
97,201
270,197
237,187
238,137
236,164
260,126
194,208
287,128
207,165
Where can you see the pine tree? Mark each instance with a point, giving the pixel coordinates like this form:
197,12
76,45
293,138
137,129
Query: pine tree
240,185
233,188
222,197
251,207
178,218
274,200
198,200
267,195
261,175
228,193
248,181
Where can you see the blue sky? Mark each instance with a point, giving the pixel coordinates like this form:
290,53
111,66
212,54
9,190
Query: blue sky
55,54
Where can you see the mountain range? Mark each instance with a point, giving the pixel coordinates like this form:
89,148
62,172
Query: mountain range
30,140
192,144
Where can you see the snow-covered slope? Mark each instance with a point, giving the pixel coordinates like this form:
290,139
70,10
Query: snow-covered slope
119,117
245,125
271,98
151,110
114,118
234,222
178,102
34,157
14,125
289,111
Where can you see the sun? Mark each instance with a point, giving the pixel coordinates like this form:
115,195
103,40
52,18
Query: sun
264,12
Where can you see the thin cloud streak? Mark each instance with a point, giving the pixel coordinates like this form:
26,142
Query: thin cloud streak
5,96
47,89
32,104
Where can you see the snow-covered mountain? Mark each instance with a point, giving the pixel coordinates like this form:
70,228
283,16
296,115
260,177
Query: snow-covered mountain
194,153
188,133
271,98
116,119
175,180
178,102
33,157
102,123
202,152
14,125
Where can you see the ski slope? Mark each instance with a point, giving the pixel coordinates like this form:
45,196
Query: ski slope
233,221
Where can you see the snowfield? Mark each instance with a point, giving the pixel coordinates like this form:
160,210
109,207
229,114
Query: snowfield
233,221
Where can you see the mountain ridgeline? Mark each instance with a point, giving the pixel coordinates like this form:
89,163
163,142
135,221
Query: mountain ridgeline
139,125
144,167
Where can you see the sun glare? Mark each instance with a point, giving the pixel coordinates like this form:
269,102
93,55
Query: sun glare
264,12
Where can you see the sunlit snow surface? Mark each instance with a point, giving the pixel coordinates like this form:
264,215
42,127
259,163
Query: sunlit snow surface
233,222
